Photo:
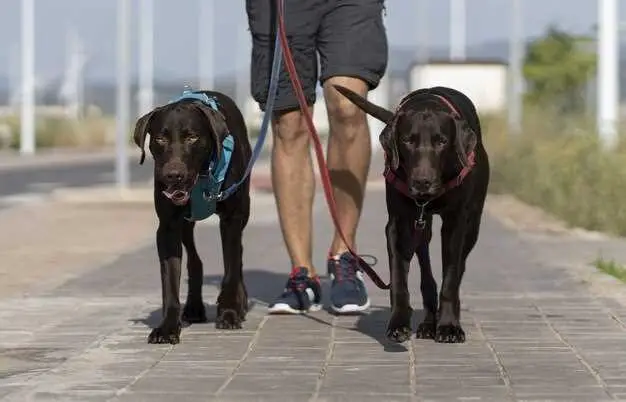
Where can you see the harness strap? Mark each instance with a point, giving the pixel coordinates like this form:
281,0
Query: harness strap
202,97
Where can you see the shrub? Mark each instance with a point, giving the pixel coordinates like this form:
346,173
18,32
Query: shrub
559,164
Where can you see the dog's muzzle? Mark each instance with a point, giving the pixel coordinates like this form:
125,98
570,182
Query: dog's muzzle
178,196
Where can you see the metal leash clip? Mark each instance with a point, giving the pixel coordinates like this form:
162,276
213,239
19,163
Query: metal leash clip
420,222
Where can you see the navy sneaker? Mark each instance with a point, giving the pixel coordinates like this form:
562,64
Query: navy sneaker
302,294
348,294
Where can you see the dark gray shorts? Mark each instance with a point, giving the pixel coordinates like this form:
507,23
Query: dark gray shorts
349,36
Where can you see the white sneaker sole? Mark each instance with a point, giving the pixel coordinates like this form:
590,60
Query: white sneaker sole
351,308
284,308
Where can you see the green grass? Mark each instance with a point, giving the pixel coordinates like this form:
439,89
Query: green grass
610,267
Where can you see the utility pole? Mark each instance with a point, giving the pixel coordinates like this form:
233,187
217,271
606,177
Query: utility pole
457,29
146,56
608,76
516,55
27,115
122,178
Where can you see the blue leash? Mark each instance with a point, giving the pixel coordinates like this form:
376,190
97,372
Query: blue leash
269,107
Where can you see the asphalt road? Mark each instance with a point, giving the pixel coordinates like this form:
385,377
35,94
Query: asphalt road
33,180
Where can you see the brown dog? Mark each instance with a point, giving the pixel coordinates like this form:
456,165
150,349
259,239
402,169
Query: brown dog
435,164
187,142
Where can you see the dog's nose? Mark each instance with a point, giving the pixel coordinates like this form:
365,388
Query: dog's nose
175,176
421,186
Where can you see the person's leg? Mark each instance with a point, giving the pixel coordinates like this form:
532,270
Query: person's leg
353,49
292,170
349,152
293,182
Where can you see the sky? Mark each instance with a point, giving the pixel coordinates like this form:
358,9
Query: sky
176,22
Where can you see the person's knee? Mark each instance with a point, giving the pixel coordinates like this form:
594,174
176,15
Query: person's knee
344,115
344,112
290,132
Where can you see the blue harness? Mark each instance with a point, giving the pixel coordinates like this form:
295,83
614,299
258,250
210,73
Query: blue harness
207,191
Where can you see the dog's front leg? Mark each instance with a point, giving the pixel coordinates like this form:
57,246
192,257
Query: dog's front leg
453,233
400,249
170,251
232,302
194,311
428,286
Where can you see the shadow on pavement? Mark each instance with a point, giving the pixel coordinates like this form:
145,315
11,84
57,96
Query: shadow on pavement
264,286
153,319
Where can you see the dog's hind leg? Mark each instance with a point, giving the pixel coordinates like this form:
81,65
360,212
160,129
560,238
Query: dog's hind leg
428,285
194,311
232,302
471,237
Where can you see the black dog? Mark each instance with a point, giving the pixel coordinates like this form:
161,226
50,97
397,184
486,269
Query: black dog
186,136
435,164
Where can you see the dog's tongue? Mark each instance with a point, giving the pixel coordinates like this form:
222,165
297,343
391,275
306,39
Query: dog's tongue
177,196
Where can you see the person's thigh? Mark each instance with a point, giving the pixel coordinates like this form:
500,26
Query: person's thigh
302,18
352,41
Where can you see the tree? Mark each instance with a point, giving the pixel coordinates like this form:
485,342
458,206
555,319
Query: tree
556,68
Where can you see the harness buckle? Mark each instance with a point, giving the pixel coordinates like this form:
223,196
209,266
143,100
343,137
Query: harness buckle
213,197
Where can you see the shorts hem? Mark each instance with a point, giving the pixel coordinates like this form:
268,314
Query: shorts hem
371,79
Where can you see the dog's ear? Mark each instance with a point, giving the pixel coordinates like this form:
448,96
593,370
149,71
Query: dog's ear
389,144
465,140
141,129
217,121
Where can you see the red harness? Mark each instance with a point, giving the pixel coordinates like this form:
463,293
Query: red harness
392,178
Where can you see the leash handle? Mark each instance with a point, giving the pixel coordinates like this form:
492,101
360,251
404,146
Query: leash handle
269,107
319,152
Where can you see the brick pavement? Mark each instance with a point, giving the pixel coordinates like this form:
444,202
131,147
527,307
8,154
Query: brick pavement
535,330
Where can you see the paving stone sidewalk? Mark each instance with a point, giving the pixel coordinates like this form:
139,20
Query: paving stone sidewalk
535,332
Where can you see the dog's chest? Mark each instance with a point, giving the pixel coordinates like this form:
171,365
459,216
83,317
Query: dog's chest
207,191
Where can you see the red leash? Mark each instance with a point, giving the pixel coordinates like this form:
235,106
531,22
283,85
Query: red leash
319,151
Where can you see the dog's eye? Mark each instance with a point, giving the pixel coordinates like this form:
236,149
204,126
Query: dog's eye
160,139
191,139
441,140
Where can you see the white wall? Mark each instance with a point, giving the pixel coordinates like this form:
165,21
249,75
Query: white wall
484,84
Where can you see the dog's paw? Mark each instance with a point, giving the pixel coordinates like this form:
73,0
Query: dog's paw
399,334
426,330
450,333
165,334
399,327
229,319
194,313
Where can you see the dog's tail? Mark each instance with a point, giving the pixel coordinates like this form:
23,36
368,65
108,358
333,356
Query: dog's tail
368,107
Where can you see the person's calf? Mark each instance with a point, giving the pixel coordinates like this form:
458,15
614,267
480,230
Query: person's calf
349,154
294,185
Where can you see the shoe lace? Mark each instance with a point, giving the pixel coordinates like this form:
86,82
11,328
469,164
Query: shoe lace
346,267
297,282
